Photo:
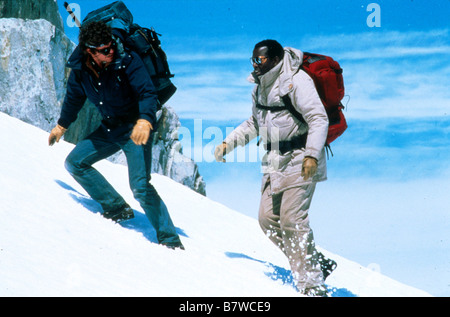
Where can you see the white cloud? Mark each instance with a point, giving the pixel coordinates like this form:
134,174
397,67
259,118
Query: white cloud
209,56
395,52
381,44
386,74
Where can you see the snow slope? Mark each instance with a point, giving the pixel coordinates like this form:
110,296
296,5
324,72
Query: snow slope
54,241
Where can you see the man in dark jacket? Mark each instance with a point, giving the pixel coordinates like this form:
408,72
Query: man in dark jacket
117,82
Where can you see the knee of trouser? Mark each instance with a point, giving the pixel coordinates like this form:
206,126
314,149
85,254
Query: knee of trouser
263,224
75,166
266,224
71,165
141,188
138,193
298,222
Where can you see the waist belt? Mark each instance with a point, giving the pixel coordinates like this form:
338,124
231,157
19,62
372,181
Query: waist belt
295,143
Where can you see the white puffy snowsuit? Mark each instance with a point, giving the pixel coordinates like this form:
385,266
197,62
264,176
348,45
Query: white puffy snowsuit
286,196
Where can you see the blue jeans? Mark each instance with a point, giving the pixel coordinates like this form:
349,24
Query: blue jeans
102,144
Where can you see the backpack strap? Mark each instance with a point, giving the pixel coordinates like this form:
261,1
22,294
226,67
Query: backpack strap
287,145
289,106
269,108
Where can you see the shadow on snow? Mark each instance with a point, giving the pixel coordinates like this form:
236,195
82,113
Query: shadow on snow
283,275
139,223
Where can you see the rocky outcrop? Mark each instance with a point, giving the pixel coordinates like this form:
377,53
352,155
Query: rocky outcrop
32,71
33,10
33,80
168,158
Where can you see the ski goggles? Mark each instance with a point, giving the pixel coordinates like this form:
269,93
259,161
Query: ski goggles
258,60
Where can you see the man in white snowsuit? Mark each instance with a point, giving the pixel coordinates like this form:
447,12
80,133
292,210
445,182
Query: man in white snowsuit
295,158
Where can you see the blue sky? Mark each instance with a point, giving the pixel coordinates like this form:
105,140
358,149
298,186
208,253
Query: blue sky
397,79
391,70
209,42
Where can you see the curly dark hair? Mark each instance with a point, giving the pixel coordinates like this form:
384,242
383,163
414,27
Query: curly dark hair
274,48
94,34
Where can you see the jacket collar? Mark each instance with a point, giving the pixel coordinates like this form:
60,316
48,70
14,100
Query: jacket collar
269,78
76,59
286,69
292,62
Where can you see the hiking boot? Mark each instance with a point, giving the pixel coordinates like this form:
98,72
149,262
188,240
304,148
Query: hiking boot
326,265
119,215
318,291
174,247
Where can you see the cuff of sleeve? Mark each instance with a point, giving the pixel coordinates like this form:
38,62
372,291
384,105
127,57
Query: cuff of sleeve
312,153
230,144
148,118
63,123
310,157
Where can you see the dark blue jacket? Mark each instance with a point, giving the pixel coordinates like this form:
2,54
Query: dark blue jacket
123,90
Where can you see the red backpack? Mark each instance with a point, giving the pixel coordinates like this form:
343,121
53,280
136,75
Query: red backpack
327,76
